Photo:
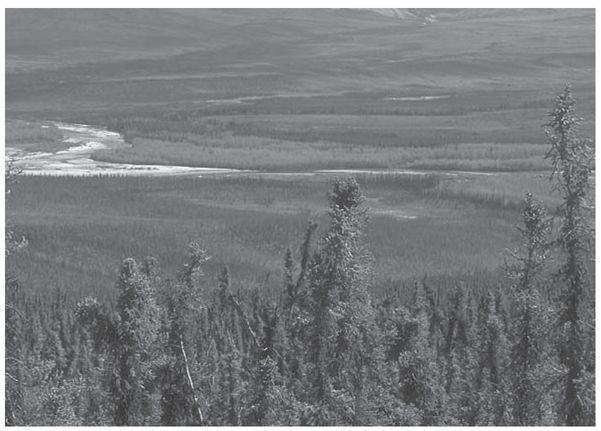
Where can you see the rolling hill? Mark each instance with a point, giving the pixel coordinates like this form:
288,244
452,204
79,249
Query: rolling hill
475,76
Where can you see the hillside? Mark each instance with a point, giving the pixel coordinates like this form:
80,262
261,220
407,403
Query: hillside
93,56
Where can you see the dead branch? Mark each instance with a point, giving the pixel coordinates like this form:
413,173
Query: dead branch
190,382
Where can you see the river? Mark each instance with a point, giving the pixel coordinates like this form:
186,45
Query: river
77,160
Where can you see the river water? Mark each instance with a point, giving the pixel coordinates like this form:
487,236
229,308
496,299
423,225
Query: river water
77,159
84,140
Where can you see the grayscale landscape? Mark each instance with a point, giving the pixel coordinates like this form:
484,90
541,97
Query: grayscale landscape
300,216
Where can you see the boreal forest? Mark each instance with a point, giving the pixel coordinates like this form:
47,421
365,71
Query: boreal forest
322,347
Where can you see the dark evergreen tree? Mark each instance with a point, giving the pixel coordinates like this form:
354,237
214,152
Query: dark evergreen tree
459,358
265,401
228,388
420,376
137,331
572,158
296,306
344,343
14,372
529,328
15,321
289,284
224,289
179,402
490,405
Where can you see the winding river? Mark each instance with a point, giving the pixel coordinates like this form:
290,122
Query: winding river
77,159
83,141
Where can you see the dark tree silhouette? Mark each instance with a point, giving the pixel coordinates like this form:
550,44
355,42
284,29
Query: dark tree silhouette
572,158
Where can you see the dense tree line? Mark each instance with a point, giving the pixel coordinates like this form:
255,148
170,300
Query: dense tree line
323,351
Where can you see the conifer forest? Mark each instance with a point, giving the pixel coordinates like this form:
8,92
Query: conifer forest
352,254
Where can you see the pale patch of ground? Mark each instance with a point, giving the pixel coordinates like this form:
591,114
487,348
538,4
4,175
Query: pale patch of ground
393,213
417,98
246,99
405,172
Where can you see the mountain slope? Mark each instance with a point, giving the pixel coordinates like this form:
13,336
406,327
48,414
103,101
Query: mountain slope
62,63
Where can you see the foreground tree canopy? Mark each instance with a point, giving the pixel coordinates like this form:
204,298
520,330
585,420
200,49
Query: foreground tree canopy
323,350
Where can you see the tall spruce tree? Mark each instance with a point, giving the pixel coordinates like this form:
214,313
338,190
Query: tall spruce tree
420,375
15,320
572,157
344,340
179,402
263,401
296,307
490,405
14,372
526,355
137,331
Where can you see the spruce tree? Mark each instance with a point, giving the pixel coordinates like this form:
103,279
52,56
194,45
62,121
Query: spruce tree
228,388
14,372
15,320
137,331
344,341
572,157
489,407
420,375
264,388
224,289
289,284
179,402
526,356
296,307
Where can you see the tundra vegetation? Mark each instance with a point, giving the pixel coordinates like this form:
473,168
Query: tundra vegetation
331,339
